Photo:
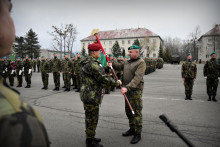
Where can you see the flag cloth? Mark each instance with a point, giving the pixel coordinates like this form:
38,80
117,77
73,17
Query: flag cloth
103,59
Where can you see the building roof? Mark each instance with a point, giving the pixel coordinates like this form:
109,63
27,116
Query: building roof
214,31
124,33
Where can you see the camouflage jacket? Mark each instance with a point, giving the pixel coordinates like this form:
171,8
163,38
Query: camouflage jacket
92,80
56,66
189,70
45,66
19,66
77,66
72,66
34,63
212,69
27,65
19,118
1,66
134,70
38,62
67,65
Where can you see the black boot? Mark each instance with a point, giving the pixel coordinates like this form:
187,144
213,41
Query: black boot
213,98
92,143
54,89
43,88
130,132
209,99
136,138
57,89
67,89
189,96
77,90
97,140
28,86
63,87
186,97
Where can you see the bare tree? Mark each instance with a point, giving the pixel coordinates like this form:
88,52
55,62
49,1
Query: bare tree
147,45
63,38
193,37
174,44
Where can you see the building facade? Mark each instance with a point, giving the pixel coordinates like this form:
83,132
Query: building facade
208,43
49,53
150,42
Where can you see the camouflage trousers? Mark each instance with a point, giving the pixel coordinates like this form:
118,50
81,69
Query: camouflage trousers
56,79
19,79
38,68
91,119
73,77
212,85
188,83
66,79
78,81
135,99
10,77
45,77
28,78
34,68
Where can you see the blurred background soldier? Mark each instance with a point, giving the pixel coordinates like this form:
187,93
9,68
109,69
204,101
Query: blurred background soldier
45,69
19,67
56,68
212,73
134,70
67,68
77,71
38,65
73,76
91,90
28,71
34,65
189,71
20,124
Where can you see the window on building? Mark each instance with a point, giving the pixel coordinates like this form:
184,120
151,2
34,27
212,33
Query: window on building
110,42
110,49
154,55
148,55
154,41
104,42
148,48
122,48
123,42
148,40
129,41
83,44
105,49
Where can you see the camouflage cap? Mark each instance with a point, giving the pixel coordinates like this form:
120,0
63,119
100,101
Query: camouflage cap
134,47
212,53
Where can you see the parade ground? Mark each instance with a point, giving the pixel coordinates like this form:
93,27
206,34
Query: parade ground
64,118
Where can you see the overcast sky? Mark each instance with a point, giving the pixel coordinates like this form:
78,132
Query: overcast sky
174,18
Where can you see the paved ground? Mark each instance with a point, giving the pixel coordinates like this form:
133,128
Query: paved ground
199,119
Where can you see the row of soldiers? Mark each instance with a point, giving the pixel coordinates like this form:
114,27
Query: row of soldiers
69,68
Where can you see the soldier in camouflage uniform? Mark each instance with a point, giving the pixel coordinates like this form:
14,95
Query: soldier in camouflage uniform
189,71
212,72
134,70
28,71
45,69
4,68
56,68
38,65
77,71
34,64
91,89
73,76
67,68
20,124
19,67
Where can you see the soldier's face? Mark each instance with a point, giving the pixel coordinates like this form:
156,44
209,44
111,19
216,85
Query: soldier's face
7,30
213,56
189,57
96,54
133,53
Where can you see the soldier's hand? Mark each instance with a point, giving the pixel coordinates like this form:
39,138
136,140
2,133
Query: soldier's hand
119,81
124,90
194,79
183,79
58,72
205,77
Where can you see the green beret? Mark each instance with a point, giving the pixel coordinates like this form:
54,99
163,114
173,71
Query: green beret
133,47
54,53
73,56
189,54
18,57
110,55
212,53
42,56
66,54
27,56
